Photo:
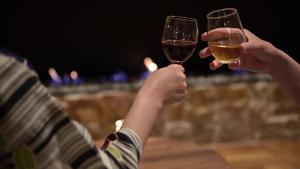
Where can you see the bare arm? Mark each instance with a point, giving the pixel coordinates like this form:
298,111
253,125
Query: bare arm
257,55
287,74
163,87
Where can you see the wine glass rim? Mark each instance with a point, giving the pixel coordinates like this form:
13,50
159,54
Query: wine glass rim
233,12
182,17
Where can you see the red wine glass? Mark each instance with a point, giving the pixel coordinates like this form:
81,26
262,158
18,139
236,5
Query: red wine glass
179,38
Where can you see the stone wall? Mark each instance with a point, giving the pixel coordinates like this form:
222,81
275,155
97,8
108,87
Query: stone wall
217,109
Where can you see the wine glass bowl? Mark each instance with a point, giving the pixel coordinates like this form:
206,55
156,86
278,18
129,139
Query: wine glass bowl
225,34
179,38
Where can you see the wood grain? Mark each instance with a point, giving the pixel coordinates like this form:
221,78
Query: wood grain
164,153
272,154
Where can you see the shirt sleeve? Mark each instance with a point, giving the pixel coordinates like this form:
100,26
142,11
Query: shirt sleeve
31,117
121,149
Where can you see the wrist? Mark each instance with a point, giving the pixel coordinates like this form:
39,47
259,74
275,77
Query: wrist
280,61
143,115
150,100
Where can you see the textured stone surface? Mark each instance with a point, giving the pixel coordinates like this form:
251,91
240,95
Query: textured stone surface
218,109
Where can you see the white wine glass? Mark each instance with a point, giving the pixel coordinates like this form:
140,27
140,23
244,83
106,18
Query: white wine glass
179,38
225,34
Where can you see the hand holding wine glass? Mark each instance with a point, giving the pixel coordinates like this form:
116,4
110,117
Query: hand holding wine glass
224,35
179,38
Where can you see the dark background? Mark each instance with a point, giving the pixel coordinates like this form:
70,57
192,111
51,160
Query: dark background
98,38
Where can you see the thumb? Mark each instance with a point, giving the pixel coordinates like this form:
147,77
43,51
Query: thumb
177,66
234,66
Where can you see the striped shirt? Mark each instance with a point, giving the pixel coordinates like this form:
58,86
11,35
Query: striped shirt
30,117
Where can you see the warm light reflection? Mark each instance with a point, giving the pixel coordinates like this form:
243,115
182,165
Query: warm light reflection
54,76
150,65
74,75
119,124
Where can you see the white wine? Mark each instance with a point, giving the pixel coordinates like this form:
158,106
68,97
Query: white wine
225,53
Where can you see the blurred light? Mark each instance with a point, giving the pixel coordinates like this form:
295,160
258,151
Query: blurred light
119,124
74,75
55,78
240,72
67,79
120,76
149,64
151,67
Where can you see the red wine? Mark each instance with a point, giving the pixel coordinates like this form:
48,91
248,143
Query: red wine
178,51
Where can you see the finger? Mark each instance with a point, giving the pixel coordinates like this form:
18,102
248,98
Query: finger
178,67
176,97
181,90
215,65
184,85
204,52
235,65
250,46
182,94
182,77
225,31
204,36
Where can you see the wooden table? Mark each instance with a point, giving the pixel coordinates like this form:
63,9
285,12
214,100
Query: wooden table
164,153
265,154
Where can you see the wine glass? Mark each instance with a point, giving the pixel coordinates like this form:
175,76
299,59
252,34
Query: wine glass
179,38
225,34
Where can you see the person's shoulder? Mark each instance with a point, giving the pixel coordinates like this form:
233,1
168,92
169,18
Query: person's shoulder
6,60
9,57
6,55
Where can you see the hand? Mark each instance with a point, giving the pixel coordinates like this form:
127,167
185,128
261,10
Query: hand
255,55
167,85
164,86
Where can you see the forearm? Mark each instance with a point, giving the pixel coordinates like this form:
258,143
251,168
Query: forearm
287,74
143,115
